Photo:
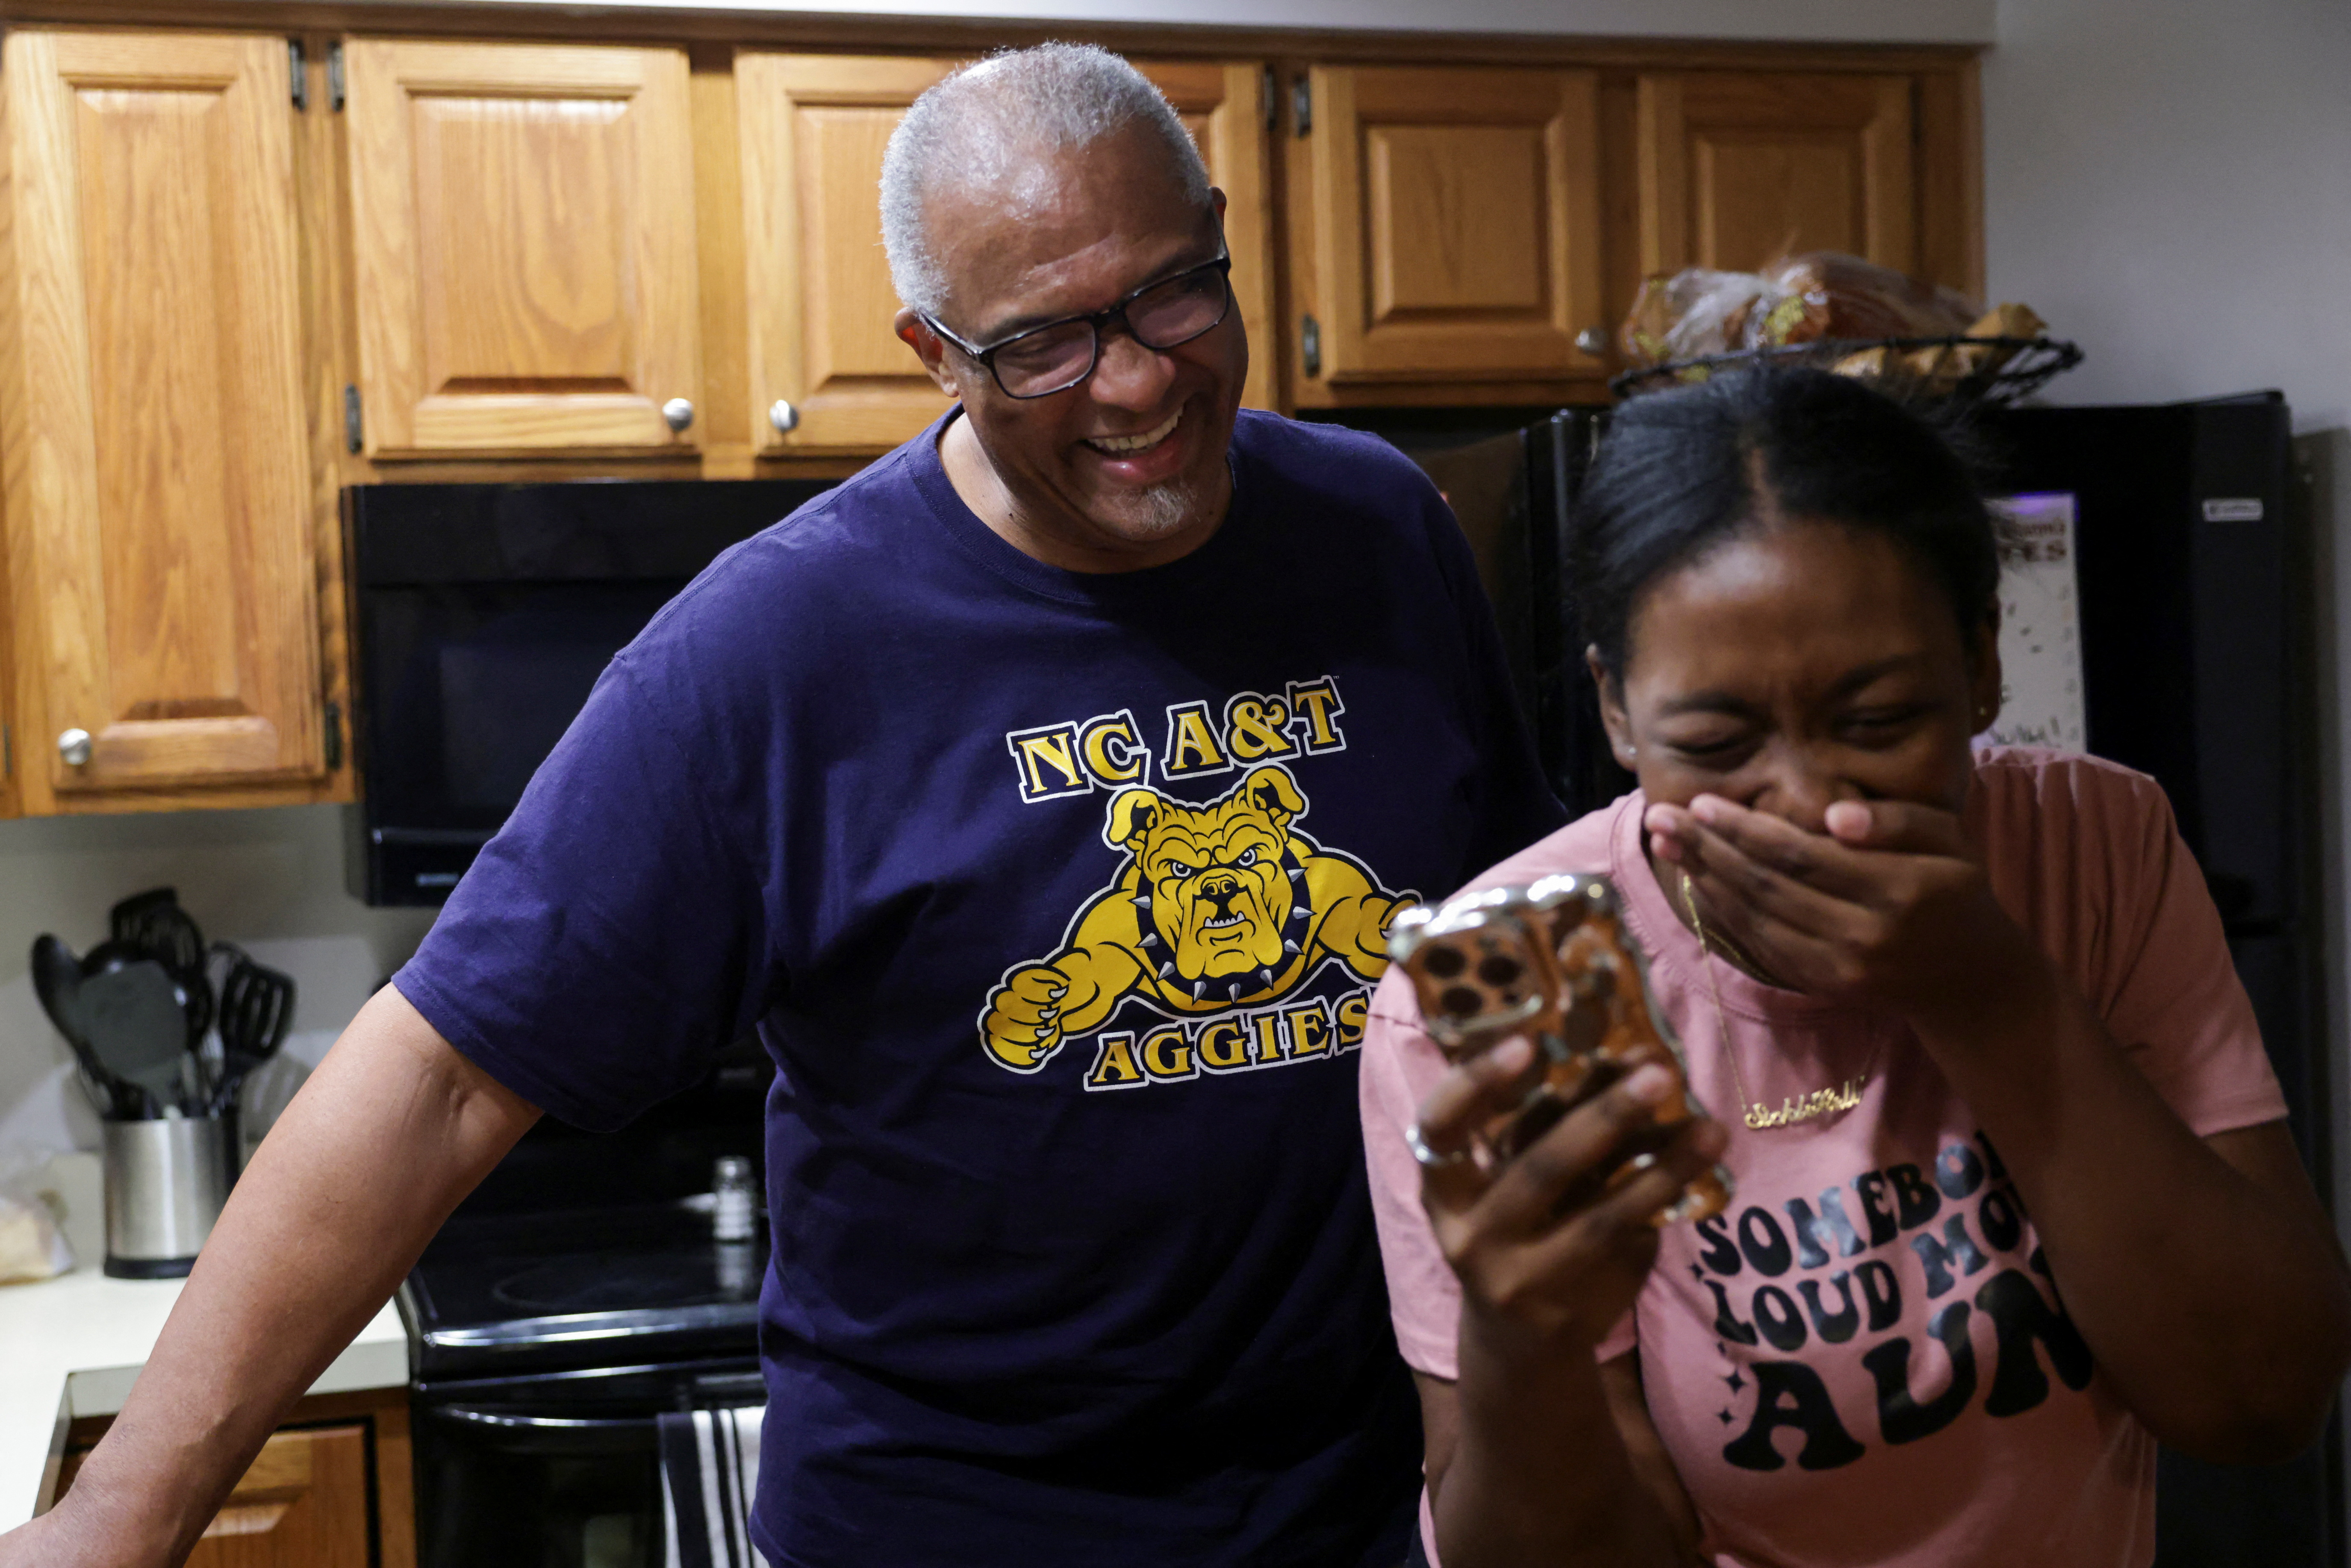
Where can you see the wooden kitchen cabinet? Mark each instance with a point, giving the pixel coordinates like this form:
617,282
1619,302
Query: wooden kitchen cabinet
1444,228
827,372
516,253
1737,167
333,1488
11,796
153,448
524,247
1222,105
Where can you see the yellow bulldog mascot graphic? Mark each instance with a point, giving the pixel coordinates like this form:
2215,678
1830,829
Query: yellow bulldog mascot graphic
1218,904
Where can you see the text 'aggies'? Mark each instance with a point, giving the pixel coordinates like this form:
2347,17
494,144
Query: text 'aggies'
1108,752
1232,1042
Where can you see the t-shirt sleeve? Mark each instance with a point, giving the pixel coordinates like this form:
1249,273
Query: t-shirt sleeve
2171,997
1400,1065
598,955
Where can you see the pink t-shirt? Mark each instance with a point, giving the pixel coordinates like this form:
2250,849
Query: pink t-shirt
1864,1361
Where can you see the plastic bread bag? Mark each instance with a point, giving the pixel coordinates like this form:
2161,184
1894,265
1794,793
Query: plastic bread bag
1554,961
31,1246
1689,314
1826,294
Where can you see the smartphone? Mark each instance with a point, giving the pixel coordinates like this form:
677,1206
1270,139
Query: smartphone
1553,960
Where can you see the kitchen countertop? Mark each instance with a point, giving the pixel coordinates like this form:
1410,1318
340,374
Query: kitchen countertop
71,1346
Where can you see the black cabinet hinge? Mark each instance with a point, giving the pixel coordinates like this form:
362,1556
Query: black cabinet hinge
1310,346
1269,95
334,737
354,433
7,753
300,73
1302,105
335,77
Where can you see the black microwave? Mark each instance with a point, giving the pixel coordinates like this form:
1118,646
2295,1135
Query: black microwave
482,615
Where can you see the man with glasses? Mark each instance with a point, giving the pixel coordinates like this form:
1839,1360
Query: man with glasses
1043,796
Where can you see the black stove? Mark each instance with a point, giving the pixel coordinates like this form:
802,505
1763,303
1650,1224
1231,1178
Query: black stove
507,1294
577,1295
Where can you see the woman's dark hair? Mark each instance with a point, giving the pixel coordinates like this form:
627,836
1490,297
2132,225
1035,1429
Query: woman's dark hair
1680,471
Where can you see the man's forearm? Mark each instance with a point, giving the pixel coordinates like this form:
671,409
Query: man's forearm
388,1134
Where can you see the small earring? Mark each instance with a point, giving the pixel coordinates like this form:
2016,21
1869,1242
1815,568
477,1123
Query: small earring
1628,751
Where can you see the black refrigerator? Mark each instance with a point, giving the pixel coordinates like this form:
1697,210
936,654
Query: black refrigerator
2190,544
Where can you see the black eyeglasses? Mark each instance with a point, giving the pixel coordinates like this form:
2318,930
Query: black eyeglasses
1058,355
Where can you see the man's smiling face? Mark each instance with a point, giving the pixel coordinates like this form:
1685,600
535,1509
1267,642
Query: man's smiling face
1127,468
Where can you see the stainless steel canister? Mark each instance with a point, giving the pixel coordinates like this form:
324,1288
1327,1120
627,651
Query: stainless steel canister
165,1182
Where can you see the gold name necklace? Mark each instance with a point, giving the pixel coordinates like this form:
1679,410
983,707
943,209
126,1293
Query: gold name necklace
1791,1110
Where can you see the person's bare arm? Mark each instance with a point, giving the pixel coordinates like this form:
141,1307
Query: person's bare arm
1539,1454
390,1133
1645,1451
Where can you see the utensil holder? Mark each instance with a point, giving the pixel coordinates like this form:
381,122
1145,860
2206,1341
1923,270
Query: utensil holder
165,1182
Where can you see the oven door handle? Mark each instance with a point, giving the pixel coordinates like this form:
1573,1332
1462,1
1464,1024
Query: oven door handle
466,1415
546,1433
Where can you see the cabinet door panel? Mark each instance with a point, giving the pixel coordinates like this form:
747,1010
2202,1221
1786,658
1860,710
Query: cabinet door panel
526,252
302,1505
1456,216
813,129
1221,105
1737,170
157,466
814,126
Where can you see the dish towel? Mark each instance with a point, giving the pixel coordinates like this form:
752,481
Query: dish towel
710,1473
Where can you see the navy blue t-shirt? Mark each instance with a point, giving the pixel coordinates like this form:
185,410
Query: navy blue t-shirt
1059,900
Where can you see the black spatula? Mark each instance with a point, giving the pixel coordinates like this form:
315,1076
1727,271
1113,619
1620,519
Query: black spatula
257,1008
57,981
137,1026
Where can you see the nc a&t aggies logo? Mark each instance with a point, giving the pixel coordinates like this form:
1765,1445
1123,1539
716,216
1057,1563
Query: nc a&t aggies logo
1220,913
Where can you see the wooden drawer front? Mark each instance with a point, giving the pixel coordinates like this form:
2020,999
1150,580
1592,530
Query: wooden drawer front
1457,223
303,1504
813,127
525,247
157,463
1739,168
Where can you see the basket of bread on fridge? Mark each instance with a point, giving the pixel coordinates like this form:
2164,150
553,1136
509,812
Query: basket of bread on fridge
1841,313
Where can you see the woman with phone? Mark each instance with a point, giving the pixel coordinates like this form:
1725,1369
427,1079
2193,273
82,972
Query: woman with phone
2015,1197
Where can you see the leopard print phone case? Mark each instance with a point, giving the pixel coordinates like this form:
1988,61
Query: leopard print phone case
1551,960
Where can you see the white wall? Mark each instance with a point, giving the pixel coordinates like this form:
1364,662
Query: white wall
271,882
2168,183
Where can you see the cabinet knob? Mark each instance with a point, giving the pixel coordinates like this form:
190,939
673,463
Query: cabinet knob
1593,340
783,415
678,412
74,747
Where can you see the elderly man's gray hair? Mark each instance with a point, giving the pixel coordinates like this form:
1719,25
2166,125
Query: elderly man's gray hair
971,126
